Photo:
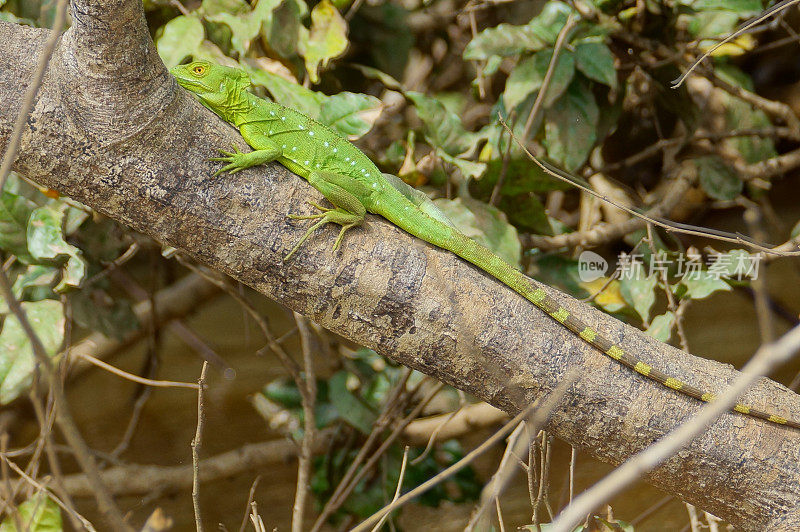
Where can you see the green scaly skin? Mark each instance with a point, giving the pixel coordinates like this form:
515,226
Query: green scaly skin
354,185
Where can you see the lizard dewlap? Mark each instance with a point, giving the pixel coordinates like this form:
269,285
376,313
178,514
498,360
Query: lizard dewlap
354,185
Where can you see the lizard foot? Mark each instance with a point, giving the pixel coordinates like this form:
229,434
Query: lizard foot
338,215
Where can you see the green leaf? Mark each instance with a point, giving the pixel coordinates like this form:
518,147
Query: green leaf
326,39
36,276
180,38
571,127
708,24
381,30
74,218
528,76
285,29
443,128
701,284
383,77
484,224
638,289
522,176
718,179
740,114
507,39
350,407
288,93
16,354
40,513
469,169
596,62
661,326
95,310
283,392
14,213
244,28
351,115
745,8
527,212
213,7
46,242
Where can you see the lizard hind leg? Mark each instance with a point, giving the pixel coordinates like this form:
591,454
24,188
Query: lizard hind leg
348,211
338,216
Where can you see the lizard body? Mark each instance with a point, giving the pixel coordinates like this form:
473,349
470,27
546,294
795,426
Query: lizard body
354,185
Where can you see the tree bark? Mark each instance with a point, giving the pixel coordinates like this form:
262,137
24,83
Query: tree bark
112,130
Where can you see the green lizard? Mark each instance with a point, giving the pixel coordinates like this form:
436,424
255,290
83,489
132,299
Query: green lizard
354,185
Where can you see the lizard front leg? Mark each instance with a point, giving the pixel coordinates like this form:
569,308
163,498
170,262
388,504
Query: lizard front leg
264,151
348,212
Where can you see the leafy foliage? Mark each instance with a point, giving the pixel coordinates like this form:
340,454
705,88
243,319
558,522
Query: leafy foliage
17,361
350,401
44,268
40,513
435,103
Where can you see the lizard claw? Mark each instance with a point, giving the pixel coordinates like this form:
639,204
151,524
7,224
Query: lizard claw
318,206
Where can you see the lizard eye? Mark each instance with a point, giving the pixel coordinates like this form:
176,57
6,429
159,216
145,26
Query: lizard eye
199,70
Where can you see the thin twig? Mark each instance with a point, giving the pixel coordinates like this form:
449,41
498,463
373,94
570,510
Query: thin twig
140,479
250,498
762,17
396,432
573,458
537,105
651,510
9,492
308,400
667,226
501,478
694,519
135,378
544,477
540,417
766,326
33,482
196,444
287,361
432,438
392,403
499,514
63,417
532,478
45,415
548,75
397,490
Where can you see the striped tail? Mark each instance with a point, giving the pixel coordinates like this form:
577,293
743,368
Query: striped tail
452,240
549,305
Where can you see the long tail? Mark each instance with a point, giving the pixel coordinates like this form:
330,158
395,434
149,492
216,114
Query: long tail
443,236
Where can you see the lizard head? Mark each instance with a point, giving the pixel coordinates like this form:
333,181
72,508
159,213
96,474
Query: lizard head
215,85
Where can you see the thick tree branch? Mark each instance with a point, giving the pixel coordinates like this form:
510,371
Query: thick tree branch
111,130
